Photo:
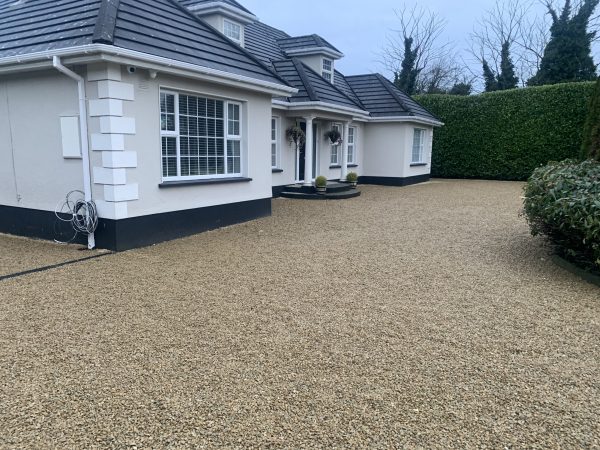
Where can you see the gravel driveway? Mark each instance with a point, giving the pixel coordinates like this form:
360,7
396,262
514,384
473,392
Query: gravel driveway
423,316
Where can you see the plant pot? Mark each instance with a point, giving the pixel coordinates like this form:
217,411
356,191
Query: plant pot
321,190
353,184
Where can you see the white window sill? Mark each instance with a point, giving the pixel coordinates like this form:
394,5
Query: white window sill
205,181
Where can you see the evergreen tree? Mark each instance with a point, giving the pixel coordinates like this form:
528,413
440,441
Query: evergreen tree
591,134
489,77
461,89
406,80
568,56
507,78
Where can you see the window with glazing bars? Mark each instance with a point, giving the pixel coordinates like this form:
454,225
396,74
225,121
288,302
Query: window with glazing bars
201,137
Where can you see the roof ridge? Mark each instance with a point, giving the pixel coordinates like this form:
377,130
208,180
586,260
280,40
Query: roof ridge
332,85
351,89
221,36
384,82
104,31
300,68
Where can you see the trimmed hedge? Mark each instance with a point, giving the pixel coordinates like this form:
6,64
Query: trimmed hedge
562,202
505,135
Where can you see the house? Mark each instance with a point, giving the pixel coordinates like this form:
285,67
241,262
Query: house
171,116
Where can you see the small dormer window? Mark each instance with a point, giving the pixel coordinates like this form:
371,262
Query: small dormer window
327,71
233,31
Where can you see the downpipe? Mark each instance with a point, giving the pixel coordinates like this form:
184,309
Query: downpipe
83,132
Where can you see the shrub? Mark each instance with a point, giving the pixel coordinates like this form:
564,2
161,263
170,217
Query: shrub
562,202
506,135
321,181
352,177
591,133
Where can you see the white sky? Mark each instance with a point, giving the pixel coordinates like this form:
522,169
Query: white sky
359,28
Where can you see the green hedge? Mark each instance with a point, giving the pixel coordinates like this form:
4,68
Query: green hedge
562,202
506,135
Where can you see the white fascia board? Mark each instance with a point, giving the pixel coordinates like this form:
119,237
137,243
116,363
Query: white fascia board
322,106
314,51
413,119
226,10
102,52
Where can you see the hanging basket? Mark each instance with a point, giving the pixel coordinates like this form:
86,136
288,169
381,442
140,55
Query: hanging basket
295,135
334,137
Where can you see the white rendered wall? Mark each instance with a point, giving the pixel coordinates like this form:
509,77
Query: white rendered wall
256,146
31,106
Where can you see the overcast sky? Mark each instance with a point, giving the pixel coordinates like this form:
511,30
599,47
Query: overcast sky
359,28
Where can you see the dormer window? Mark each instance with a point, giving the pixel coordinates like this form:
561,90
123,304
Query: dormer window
327,70
233,31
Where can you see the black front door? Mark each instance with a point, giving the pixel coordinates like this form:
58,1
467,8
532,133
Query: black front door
302,155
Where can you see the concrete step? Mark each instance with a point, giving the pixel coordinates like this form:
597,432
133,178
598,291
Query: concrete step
327,196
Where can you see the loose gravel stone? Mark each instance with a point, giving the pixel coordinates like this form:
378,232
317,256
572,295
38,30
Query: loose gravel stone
424,316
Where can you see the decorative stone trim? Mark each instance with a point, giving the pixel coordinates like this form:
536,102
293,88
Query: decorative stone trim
111,128
106,107
108,142
119,160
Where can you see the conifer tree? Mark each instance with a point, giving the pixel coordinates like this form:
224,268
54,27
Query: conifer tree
406,79
507,78
489,77
567,56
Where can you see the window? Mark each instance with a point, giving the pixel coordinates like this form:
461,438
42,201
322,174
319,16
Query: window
201,137
327,71
274,142
418,146
335,149
233,31
351,145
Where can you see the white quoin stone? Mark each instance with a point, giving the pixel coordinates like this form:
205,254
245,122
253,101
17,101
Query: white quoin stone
112,210
108,142
122,193
118,160
103,175
117,125
116,90
102,71
106,107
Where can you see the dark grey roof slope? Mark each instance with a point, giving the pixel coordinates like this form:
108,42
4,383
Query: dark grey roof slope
233,3
382,99
311,86
302,42
342,85
141,26
40,25
261,41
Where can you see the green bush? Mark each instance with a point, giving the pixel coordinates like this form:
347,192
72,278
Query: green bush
506,135
352,177
321,181
562,202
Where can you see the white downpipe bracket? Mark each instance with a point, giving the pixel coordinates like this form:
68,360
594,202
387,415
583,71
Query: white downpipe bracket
83,131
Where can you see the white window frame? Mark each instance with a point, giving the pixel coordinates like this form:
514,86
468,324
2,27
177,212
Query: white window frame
335,148
352,145
419,146
327,74
233,24
226,137
275,142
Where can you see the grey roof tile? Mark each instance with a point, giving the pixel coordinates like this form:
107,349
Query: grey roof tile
302,42
36,26
261,41
39,25
233,3
382,99
311,86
